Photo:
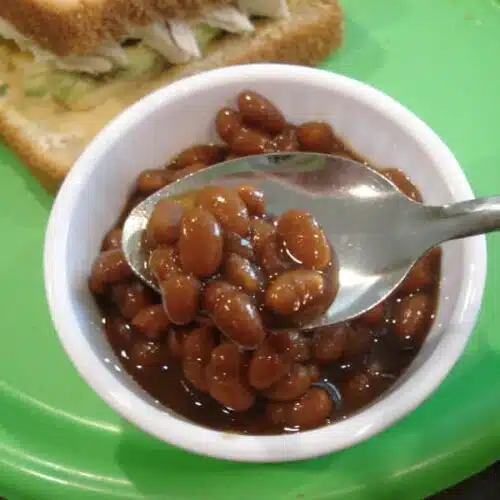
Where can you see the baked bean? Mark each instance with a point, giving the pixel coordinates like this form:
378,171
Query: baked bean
152,180
411,316
292,386
197,348
151,321
267,367
373,317
303,239
316,137
147,354
247,142
272,259
175,343
421,275
205,154
402,182
119,331
225,382
227,122
110,267
313,409
258,111
329,343
227,207
181,298
200,243
237,317
131,298
291,344
184,172
296,291
253,198
359,340
164,261
243,274
287,141
113,240
164,225
198,344
260,231
212,292
358,390
314,372
234,243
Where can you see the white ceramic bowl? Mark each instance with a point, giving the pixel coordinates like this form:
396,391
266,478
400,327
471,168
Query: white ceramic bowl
177,116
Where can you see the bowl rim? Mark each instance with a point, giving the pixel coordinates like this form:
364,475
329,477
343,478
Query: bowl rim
193,437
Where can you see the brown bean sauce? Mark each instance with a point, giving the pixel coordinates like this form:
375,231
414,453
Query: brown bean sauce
208,354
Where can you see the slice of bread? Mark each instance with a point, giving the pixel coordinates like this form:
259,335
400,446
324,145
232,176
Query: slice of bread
69,27
50,138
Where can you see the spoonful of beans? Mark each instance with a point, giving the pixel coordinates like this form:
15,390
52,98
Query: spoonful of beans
292,239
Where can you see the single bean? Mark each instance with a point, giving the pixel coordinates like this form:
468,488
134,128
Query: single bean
287,141
200,243
247,142
272,259
110,267
313,409
198,344
148,354
213,291
267,367
411,316
292,386
314,372
422,274
227,207
227,122
131,298
359,340
296,291
243,274
195,373
253,198
119,331
329,343
184,172
303,238
175,343
207,154
260,112
375,317
113,240
164,261
260,231
152,180
402,182
317,137
181,298
358,390
237,317
152,322
164,225
292,344
234,243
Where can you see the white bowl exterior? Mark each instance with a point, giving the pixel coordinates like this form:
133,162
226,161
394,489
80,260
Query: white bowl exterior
182,114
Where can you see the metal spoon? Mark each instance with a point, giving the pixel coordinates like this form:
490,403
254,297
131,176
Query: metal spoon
376,232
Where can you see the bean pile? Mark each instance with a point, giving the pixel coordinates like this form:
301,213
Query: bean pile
228,270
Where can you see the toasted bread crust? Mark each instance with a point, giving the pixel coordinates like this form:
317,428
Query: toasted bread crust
79,26
315,30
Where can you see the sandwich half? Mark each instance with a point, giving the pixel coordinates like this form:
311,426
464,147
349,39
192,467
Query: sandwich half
67,67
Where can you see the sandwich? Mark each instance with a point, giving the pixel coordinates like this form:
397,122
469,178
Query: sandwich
68,67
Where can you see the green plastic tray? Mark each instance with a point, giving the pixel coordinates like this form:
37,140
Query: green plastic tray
58,440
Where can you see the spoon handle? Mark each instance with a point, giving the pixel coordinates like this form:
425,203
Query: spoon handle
467,218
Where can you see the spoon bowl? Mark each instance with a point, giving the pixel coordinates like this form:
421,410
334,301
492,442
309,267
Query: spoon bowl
377,232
